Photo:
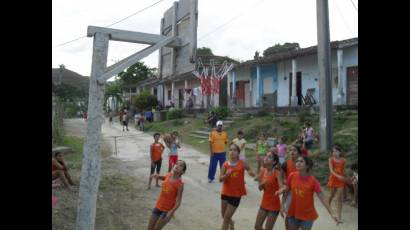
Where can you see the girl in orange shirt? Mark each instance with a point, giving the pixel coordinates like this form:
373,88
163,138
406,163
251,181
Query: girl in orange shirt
337,179
170,197
233,187
270,182
289,167
302,185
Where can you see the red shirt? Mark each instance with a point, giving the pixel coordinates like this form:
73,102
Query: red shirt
168,196
270,201
302,203
234,184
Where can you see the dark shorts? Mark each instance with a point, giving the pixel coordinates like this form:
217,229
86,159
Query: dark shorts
159,213
308,144
274,213
124,123
234,201
157,165
305,223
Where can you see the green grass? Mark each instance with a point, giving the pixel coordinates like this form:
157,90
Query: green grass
77,144
345,130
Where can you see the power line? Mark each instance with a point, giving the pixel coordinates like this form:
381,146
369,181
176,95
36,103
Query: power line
343,18
229,21
133,14
354,5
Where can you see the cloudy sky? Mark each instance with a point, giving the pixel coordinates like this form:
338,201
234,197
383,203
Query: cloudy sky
234,28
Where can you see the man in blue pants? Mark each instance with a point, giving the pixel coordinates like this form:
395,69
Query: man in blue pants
217,144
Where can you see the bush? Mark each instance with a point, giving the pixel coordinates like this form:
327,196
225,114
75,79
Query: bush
175,113
70,111
145,100
262,113
304,116
177,122
222,112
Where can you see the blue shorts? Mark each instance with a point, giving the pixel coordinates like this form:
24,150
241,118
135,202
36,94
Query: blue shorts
274,213
159,213
305,223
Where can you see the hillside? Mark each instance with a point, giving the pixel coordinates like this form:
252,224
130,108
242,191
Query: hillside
70,78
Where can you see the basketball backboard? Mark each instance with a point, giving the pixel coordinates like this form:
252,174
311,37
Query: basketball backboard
180,20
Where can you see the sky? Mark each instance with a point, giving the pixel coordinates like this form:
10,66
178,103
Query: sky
234,28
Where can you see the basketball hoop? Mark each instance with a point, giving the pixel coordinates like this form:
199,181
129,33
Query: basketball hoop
211,76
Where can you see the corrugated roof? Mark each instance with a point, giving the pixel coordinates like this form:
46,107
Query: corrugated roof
298,53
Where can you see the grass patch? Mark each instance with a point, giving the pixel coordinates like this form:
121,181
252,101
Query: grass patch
117,181
74,159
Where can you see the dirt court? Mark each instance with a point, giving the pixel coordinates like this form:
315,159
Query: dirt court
129,206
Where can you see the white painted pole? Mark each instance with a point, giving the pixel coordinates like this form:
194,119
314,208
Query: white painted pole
90,169
258,84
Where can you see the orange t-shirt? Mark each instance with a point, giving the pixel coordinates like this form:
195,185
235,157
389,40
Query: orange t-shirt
234,185
339,168
168,196
218,141
290,167
303,188
157,149
270,201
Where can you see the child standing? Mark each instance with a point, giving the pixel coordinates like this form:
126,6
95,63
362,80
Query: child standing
241,142
170,197
173,150
233,185
261,149
302,185
337,178
156,158
282,150
270,182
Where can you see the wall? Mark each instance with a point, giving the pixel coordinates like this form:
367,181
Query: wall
268,82
309,68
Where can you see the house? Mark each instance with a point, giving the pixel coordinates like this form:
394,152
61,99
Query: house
178,88
268,81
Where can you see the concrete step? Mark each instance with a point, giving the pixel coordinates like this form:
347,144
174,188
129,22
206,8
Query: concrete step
62,149
198,136
201,132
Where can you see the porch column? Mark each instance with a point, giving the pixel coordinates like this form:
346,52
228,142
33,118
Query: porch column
172,91
340,94
258,87
185,93
234,85
294,98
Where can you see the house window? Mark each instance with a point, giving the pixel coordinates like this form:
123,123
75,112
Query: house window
169,94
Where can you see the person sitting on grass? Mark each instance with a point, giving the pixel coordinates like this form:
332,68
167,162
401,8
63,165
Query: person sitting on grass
59,170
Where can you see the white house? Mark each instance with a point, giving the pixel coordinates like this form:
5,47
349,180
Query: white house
268,81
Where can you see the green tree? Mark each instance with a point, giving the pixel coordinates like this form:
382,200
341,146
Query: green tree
280,48
112,89
135,73
204,51
144,100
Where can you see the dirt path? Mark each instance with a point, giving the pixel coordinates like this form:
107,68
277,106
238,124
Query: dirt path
201,201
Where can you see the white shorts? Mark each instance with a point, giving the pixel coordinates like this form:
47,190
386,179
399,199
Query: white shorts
282,160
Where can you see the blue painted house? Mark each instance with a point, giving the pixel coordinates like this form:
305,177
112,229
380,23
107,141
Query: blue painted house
269,81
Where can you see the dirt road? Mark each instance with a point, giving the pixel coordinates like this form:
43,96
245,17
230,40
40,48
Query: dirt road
200,207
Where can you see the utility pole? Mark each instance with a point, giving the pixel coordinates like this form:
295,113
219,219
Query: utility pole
325,87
